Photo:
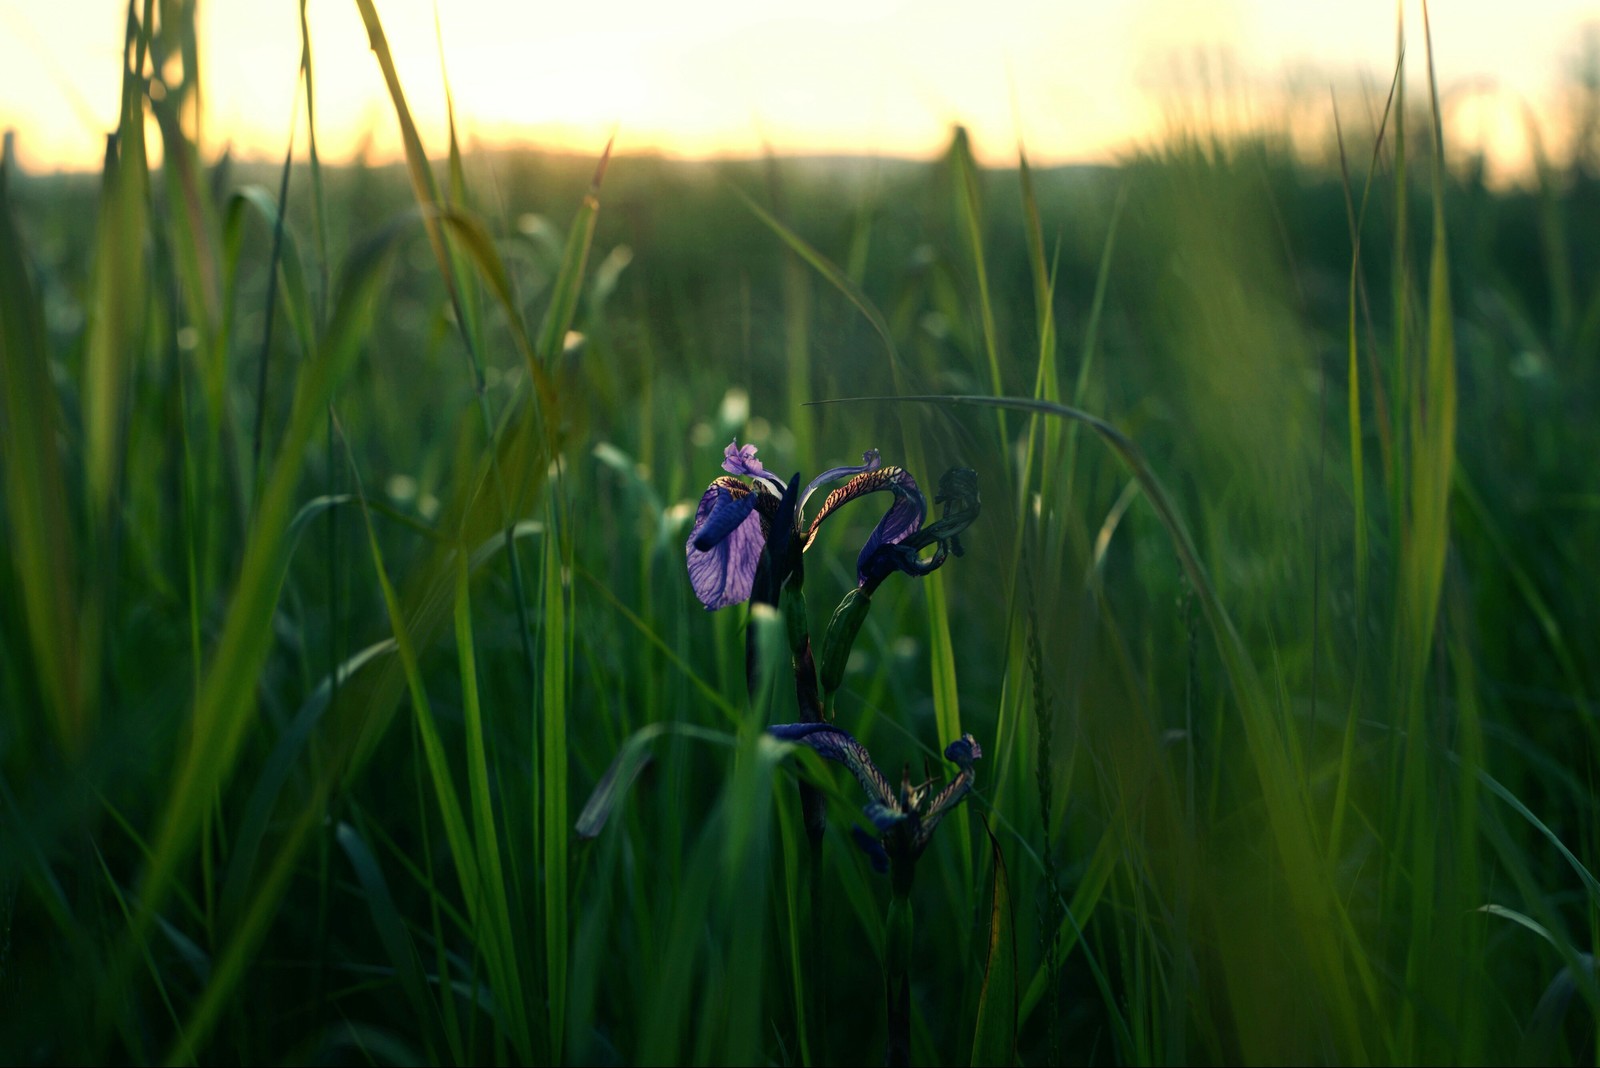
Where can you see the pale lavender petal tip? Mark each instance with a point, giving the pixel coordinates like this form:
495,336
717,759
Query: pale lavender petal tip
870,461
737,461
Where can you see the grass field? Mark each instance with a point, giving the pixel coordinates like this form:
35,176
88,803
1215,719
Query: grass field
358,706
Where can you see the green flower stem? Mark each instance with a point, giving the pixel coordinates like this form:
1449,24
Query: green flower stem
805,667
897,962
813,806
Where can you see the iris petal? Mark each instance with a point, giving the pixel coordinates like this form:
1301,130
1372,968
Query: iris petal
727,512
882,816
872,848
737,461
964,752
724,544
870,461
782,549
902,519
904,516
837,745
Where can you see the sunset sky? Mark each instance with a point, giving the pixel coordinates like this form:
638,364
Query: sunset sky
1077,81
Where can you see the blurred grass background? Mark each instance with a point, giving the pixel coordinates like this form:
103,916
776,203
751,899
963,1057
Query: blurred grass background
345,511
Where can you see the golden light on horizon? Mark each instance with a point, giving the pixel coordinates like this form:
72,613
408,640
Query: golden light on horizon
718,77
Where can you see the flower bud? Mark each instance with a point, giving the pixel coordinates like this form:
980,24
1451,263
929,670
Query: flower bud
841,637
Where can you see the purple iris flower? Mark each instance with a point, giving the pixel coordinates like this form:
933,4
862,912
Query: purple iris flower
735,519
906,818
958,494
903,519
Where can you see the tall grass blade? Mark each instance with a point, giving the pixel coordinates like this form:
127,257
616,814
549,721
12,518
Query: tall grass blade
1424,546
1590,884
239,954
553,751
470,864
568,287
994,1039
835,276
291,285
969,212
1400,297
38,518
471,305
1545,1039
149,958
423,186
946,695
1097,875
496,926
319,201
797,312
118,302
625,767
1432,434
264,362
1091,334
1357,293
799,923
1046,382
195,240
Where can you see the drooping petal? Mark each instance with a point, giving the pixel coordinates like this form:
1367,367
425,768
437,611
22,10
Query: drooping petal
887,559
724,544
904,516
945,802
837,745
872,848
958,494
965,752
870,461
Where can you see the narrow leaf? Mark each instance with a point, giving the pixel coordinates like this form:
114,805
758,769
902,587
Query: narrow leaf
994,1039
